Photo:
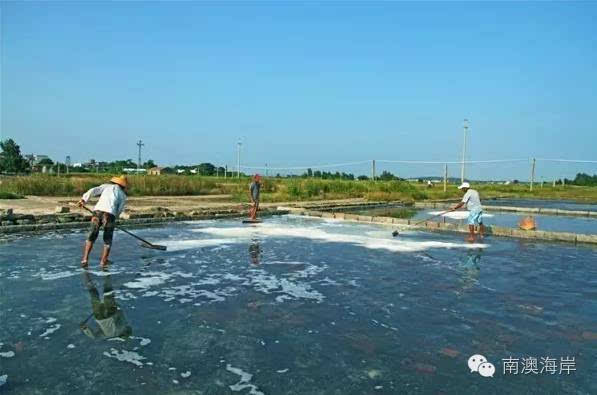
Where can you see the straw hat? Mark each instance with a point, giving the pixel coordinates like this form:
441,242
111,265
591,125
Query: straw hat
122,181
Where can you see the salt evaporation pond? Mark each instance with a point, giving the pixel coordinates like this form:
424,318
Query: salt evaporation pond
542,203
552,223
296,306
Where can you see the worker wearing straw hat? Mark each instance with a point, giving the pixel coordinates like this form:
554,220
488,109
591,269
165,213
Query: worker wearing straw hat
108,208
473,204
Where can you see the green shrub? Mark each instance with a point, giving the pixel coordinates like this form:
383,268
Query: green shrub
10,195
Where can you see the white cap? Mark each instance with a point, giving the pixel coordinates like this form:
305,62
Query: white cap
464,185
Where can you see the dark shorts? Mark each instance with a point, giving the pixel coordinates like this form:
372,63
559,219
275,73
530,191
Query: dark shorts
101,218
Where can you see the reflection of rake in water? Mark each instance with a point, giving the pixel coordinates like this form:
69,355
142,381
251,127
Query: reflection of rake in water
395,233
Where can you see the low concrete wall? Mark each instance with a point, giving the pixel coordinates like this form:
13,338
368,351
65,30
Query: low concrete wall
527,210
451,227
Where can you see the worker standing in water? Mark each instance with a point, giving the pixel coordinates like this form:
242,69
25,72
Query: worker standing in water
106,211
473,204
254,190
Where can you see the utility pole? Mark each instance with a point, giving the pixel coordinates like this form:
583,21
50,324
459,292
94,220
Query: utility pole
445,177
140,144
532,174
67,162
225,171
266,169
373,169
238,159
465,127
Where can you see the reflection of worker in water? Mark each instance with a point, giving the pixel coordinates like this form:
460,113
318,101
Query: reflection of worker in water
108,316
255,251
470,268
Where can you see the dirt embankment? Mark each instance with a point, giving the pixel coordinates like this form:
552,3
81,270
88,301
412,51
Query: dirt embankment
38,205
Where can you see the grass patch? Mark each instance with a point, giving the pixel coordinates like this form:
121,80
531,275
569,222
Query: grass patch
279,190
10,195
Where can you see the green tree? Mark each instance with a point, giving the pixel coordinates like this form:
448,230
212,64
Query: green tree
45,162
11,159
206,169
387,176
149,164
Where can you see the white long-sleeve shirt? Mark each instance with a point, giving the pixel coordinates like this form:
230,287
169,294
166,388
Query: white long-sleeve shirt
472,200
112,198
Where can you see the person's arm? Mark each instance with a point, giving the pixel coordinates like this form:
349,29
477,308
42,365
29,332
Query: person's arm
458,206
92,192
89,332
465,199
121,204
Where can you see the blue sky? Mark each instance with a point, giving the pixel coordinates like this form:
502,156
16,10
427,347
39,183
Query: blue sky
303,83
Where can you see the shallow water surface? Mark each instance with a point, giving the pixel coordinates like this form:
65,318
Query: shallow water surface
293,306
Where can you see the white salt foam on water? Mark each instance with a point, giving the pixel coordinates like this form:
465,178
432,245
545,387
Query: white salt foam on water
58,275
8,354
456,214
125,356
142,341
50,330
3,379
71,346
268,284
179,245
244,383
147,280
389,243
232,277
186,374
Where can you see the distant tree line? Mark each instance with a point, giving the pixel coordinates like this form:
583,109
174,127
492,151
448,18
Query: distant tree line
325,175
581,179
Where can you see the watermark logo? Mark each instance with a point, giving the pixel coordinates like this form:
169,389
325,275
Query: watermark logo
478,363
523,366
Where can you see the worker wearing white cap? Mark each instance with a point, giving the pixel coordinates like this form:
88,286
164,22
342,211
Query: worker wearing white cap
473,204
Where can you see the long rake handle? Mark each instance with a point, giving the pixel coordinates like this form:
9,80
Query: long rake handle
435,216
124,230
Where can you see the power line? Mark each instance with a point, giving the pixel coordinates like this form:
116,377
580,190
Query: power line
306,167
567,160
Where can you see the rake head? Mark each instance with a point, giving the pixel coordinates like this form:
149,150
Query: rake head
154,246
